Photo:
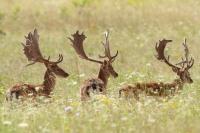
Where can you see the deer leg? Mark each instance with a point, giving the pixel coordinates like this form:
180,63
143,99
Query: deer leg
136,95
120,93
45,95
85,94
125,91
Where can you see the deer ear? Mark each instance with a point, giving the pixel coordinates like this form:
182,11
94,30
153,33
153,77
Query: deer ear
177,71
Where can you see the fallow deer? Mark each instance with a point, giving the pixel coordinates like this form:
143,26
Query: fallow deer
106,69
33,53
160,88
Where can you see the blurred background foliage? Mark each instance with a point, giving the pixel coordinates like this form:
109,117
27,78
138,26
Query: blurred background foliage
56,15
136,25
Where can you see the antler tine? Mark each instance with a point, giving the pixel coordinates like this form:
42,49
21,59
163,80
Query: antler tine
191,63
114,57
31,64
186,52
106,45
186,48
182,63
49,58
60,59
77,44
186,61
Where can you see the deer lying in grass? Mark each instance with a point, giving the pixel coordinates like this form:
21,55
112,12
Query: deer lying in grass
160,88
95,84
32,52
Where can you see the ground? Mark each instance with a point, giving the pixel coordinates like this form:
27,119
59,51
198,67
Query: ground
135,25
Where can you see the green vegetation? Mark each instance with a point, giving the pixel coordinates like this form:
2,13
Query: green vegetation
135,27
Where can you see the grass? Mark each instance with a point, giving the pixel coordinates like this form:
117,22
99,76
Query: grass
135,27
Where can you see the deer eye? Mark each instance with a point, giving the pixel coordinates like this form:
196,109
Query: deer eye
53,67
56,67
110,67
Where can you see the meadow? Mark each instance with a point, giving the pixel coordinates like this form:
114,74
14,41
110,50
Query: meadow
135,26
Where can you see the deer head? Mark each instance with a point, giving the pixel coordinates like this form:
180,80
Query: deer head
33,53
106,65
185,64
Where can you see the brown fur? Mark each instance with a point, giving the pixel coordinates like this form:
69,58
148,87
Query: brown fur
152,89
91,85
28,90
32,52
98,84
159,88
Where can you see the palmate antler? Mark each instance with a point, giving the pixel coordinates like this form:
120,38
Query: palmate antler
77,44
160,47
32,50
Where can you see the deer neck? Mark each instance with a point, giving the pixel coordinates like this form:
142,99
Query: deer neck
103,76
49,82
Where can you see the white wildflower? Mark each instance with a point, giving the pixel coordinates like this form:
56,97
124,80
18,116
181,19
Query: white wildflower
141,75
151,119
113,125
148,64
68,109
138,38
124,118
7,122
23,125
30,94
70,100
139,107
74,83
77,114
47,100
82,75
122,83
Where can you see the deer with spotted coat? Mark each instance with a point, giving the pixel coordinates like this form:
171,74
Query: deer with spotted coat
160,88
98,84
33,53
